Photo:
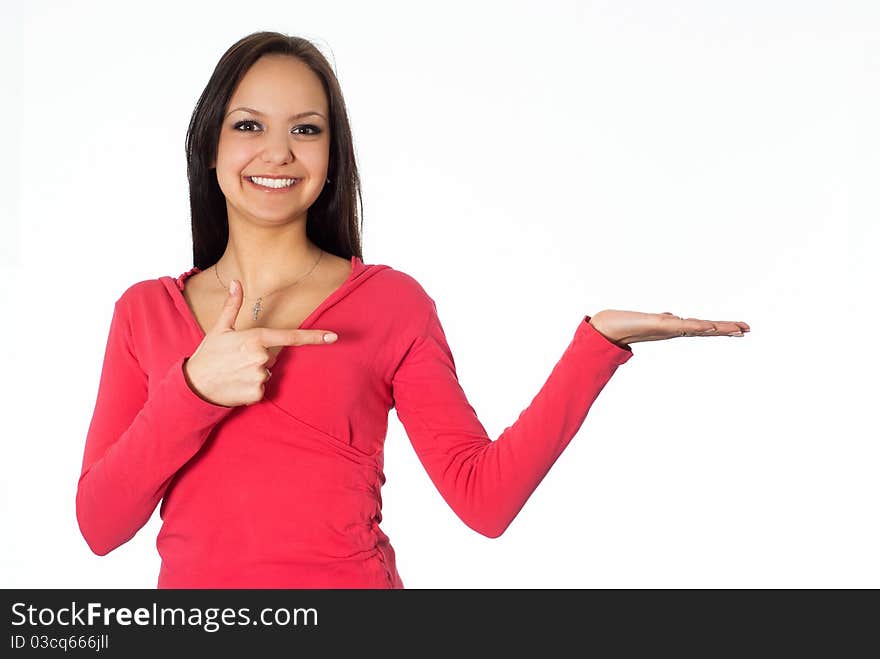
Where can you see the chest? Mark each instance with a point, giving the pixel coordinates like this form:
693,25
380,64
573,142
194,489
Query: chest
340,390
285,309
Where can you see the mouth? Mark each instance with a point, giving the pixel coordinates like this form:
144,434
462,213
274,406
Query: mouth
272,184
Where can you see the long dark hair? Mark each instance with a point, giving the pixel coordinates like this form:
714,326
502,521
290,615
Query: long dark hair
333,218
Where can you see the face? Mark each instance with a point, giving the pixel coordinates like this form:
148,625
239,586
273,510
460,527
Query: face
269,139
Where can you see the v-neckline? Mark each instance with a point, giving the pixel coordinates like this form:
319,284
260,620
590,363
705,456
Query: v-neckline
357,266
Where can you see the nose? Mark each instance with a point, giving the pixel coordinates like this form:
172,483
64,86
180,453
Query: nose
277,150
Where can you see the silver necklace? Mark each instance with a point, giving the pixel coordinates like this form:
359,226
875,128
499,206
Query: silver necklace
258,304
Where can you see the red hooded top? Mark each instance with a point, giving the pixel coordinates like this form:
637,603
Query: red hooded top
286,493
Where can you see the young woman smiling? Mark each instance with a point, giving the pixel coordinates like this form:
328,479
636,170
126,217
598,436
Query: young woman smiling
250,394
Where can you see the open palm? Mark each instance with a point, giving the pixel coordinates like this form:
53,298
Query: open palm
624,327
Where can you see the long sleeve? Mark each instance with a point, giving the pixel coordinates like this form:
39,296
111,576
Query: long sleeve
487,482
135,442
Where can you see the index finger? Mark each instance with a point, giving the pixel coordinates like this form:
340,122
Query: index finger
270,336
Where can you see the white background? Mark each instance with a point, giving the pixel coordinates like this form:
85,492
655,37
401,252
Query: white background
528,163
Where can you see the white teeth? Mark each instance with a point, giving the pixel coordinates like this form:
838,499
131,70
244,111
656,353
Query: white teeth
273,182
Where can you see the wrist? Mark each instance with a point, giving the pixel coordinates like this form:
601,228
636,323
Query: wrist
596,323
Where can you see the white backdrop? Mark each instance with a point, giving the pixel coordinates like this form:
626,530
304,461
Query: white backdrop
528,163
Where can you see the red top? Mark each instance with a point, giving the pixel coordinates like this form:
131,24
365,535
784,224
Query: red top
285,493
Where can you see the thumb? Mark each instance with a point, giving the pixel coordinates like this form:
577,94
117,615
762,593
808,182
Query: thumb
229,312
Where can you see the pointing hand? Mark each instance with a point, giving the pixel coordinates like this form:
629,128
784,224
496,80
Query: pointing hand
230,367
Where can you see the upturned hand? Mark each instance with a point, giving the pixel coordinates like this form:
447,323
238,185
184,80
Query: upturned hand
625,327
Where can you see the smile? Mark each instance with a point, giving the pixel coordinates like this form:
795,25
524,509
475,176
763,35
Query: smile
272,184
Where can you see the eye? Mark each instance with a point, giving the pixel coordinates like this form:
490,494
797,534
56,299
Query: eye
238,124
315,129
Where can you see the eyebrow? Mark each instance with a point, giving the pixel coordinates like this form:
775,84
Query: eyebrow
295,116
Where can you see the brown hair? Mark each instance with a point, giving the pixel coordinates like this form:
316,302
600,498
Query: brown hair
333,218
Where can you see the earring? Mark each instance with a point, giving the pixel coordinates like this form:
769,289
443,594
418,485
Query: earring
328,180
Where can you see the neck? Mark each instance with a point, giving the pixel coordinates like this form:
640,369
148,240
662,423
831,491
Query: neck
264,266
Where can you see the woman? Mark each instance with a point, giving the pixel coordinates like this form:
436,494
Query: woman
251,393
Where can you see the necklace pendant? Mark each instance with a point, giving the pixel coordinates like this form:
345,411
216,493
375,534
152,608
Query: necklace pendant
257,308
